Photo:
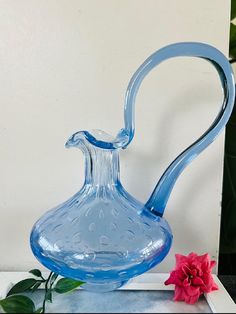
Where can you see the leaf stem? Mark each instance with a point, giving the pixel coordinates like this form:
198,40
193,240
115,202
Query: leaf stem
46,291
43,279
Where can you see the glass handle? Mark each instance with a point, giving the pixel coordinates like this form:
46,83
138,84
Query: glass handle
160,195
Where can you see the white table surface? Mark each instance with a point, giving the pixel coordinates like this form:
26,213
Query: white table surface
143,294
120,301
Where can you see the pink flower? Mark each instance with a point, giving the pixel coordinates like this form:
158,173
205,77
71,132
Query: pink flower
192,277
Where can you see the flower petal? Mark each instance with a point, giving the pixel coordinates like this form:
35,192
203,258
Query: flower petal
214,287
186,282
208,280
185,269
192,277
191,291
180,259
193,272
193,299
205,258
197,281
179,294
209,284
173,279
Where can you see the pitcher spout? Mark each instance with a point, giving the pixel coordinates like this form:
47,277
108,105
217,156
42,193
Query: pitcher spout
75,140
99,139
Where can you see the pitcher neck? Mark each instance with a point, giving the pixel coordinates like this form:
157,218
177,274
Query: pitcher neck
102,167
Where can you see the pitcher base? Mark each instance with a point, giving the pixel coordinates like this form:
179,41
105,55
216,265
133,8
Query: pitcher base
103,287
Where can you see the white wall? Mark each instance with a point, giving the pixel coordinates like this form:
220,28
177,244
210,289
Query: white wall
64,66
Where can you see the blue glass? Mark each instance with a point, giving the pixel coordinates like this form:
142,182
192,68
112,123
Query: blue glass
102,235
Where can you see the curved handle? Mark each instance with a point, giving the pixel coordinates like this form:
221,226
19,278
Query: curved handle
160,195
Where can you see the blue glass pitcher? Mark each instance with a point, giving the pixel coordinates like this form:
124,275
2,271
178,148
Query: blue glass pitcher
102,235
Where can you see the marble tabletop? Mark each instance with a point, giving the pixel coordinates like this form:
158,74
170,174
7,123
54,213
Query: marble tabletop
120,301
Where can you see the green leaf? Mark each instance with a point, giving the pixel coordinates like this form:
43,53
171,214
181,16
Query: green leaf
39,310
36,286
17,304
233,9
232,41
36,272
65,285
22,286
